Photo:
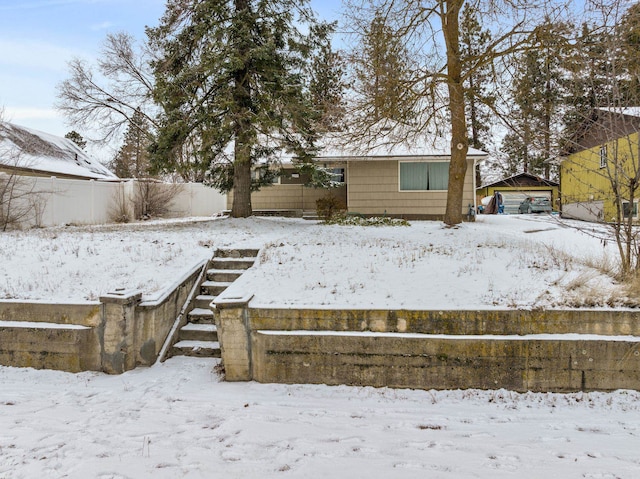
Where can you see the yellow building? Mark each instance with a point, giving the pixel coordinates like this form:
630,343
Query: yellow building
600,171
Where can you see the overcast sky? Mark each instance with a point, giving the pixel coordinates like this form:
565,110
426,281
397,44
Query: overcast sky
39,37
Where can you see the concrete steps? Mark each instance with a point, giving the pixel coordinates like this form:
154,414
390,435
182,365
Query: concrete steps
233,263
199,332
224,275
199,336
214,288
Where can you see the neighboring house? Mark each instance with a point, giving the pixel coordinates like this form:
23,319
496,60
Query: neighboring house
602,153
398,180
28,152
516,188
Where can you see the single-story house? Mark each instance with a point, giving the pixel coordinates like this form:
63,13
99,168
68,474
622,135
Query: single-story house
407,180
604,152
516,188
28,152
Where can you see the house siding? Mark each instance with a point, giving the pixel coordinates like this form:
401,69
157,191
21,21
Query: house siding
288,197
374,189
587,187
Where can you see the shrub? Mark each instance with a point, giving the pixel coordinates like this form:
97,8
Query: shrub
330,207
355,220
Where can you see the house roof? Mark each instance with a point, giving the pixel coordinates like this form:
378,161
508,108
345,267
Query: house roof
628,111
385,148
31,150
522,179
603,125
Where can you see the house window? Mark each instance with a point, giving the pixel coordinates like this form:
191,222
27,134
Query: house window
292,177
337,175
603,156
423,176
627,211
260,172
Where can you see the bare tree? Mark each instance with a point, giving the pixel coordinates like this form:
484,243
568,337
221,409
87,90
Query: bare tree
106,96
152,197
438,69
20,201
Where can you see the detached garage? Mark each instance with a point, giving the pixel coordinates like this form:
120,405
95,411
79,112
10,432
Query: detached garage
516,188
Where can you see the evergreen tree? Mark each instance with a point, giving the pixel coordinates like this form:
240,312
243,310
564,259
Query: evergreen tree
132,159
478,79
537,94
232,74
77,138
473,42
590,70
382,75
628,35
326,84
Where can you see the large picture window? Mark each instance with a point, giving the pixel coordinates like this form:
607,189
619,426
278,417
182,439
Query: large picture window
423,176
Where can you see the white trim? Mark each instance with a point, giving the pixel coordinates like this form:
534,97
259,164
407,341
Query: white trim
604,159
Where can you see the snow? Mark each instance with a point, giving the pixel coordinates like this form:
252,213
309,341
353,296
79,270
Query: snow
178,420
525,261
36,150
490,337
39,325
390,146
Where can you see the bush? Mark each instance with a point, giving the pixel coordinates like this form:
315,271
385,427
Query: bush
330,207
352,220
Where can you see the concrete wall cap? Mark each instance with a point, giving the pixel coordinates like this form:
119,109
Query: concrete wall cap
232,301
122,296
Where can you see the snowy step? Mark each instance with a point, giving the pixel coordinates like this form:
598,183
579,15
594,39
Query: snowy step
236,253
233,263
200,315
204,349
215,287
203,301
199,332
227,275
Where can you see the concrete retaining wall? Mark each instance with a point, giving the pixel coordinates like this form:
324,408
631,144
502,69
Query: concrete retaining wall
114,335
557,351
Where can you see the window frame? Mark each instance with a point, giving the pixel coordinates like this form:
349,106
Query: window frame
400,162
603,156
634,211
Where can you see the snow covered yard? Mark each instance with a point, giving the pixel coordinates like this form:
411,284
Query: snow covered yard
177,420
500,261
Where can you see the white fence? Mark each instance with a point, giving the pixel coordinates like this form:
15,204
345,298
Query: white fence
58,201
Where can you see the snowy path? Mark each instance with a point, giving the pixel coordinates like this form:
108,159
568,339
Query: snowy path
178,420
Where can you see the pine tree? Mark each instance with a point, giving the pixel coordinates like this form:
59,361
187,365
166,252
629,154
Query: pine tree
77,138
326,84
132,159
537,94
589,68
381,73
231,77
473,41
479,99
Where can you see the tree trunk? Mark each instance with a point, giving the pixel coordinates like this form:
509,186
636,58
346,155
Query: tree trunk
241,207
459,141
